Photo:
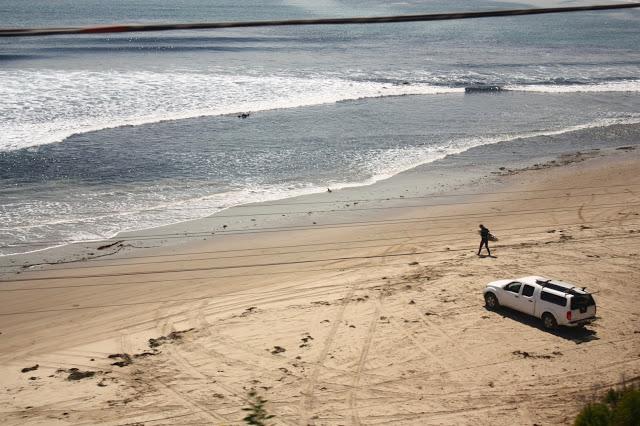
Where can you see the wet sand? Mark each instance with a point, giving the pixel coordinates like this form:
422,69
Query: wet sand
371,315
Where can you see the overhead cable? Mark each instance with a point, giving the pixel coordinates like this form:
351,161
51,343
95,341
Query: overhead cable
269,264
105,262
334,225
23,32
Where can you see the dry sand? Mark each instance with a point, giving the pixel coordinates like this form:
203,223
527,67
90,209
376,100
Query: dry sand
368,323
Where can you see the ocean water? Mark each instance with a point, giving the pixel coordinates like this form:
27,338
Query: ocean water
105,133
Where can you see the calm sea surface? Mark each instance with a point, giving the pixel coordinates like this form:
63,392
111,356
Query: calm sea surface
100,134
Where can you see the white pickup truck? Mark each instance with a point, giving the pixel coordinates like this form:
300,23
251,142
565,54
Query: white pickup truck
555,302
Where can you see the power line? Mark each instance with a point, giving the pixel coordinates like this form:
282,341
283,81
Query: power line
214,296
7,32
353,201
179,280
189,253
184,235
259,265
259,204
88,263
324,269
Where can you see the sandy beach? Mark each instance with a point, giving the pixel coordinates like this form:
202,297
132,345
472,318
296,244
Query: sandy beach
366,312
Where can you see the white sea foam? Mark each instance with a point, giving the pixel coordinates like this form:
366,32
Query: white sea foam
54,230
39,107
391,162
47,106
612,86
68,225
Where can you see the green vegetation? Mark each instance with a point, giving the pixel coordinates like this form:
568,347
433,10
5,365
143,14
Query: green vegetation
257,415
618,408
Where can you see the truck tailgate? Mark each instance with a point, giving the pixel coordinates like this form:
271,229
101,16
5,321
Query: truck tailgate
583,313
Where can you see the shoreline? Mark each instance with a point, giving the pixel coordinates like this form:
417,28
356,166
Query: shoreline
87,248
325,321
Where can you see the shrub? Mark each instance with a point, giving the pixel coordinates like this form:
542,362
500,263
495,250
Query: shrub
257,415
618,408
612,397
627,410
593,415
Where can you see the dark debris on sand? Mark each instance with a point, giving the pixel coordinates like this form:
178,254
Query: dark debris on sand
75,374
27,369
106,246
125,359
171,337
278,349
525,354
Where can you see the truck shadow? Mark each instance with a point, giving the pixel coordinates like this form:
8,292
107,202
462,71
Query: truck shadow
575,334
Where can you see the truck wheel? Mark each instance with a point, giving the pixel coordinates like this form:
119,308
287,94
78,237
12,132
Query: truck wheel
548,321
491,301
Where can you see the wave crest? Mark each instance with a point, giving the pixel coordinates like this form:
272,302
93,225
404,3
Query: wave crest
43,107
46,106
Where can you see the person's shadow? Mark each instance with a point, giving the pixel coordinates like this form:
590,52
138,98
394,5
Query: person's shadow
482,256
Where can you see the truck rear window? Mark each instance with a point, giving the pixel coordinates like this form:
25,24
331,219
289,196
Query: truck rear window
553,298
582,301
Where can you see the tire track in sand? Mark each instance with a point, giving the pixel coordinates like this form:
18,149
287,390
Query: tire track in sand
170,391
355,418
308,399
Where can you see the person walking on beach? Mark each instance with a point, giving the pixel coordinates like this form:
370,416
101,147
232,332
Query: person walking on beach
484,235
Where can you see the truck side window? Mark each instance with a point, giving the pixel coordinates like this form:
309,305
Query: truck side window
513,287
553,298
527,290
